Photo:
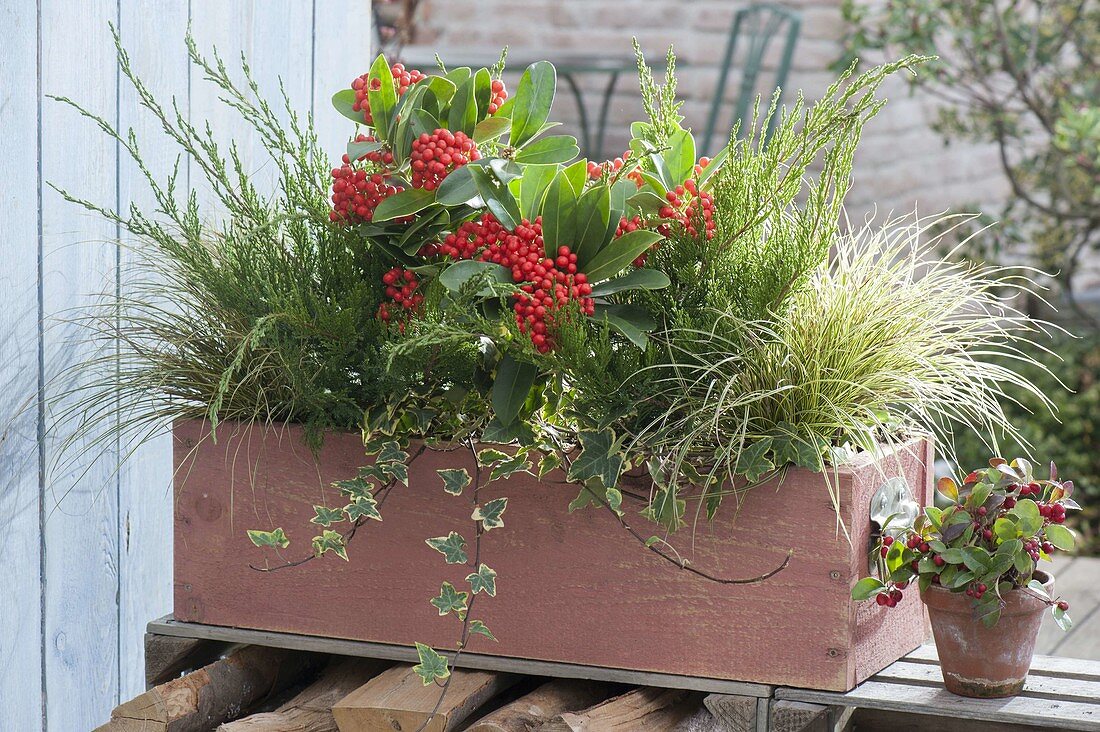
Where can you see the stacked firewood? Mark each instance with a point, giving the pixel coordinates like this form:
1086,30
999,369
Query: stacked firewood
261,689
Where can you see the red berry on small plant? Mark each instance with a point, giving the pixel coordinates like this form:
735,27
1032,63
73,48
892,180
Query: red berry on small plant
1063,605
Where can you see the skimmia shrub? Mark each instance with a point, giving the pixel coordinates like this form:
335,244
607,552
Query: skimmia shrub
462,277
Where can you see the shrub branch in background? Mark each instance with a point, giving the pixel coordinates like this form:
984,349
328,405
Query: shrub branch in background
1023,75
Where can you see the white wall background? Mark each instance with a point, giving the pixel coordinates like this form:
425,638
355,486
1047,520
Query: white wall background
85,550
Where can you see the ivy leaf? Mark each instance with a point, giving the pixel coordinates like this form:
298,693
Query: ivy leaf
330,541
454,480
432,666
599,458
550,461
476,626
666,509
490,515
753,460
484,580
363,508
391,452
489,456
397,471
327,516
509,467
355,487
450,600
452,547
276,538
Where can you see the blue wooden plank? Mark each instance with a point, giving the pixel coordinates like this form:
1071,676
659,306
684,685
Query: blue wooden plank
20,570
342,43
79,265
152,33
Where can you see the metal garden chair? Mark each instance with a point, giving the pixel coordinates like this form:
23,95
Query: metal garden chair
759,25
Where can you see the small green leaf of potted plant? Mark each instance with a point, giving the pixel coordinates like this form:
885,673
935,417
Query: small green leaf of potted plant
975,563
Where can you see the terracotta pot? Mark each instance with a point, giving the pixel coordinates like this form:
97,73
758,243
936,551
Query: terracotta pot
985,662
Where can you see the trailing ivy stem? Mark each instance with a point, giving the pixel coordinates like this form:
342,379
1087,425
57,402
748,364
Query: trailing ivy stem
348,535
464,638
680,563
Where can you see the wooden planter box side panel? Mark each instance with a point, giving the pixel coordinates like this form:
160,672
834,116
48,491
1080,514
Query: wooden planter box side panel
572,588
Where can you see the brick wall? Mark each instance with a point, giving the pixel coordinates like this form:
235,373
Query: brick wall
901,164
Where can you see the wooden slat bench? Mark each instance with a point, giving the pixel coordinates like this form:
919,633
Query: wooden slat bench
1061,694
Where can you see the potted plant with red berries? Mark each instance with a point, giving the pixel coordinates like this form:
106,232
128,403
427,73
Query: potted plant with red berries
976,564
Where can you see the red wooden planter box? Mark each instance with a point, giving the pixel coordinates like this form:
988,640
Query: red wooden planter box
572,588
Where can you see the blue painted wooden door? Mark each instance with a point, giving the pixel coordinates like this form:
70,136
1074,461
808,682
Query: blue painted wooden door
85,532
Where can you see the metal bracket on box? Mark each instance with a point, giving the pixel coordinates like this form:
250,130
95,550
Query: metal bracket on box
892,506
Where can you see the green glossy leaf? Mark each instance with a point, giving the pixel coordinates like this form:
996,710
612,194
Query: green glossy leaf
549,150
452,547
534,97
618,255
276,538
327,516
976,559
1060,537
593,211
1005,529
715,163
511,387
405,203
498,199
679,158
463,113
647,202
442,88
532,189
461,272
450,600
390,452
454,480
344,101
559,215
491,515
490,129
636,279
357,150
432,666
633,321
483,580
383,99
483,92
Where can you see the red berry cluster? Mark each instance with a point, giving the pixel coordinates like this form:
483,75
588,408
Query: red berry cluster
684,203
356,193
499,96
436,155
402,79
401,286
597,171
549,283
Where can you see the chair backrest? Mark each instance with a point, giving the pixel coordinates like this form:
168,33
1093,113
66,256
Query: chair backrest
759,24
